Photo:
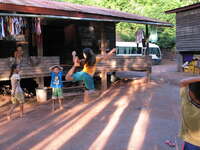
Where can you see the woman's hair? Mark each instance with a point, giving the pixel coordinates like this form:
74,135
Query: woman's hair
194,88
90,56
13,67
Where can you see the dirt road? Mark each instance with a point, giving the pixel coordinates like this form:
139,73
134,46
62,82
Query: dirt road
129,116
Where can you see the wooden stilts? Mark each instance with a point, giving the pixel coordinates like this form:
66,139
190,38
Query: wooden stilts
103,51
103,80
39,40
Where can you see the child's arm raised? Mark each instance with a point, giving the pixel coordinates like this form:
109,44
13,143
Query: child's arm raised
187,81
68,76
73,55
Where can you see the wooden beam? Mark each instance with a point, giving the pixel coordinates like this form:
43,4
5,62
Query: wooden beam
179,61
39,40
103,39
103,81
103,52
147,40
39,45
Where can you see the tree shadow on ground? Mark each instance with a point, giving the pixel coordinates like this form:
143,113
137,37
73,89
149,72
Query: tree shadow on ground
102,124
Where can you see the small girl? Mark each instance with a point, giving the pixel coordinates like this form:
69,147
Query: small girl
17,94
89,67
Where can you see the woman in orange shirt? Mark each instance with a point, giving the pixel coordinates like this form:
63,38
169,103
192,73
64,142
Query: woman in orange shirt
89,67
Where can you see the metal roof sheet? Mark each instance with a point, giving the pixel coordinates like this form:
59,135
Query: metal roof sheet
70,7
185,8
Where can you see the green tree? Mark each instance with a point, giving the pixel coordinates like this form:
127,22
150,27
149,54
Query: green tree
149,8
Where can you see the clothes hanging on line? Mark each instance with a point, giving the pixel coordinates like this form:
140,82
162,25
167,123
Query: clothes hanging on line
153,34
12,26
38,26
139,36
2,31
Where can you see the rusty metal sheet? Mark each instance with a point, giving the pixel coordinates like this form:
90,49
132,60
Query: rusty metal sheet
80,9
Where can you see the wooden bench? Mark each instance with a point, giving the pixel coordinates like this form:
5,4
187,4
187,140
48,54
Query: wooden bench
31,67
126,63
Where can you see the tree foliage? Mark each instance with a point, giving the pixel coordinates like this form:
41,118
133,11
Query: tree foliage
149,8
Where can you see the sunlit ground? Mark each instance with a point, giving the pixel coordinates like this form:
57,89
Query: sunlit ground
129,116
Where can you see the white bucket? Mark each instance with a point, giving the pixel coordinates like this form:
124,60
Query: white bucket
41,94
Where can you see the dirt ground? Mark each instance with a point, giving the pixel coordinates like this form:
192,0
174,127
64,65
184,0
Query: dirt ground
131,115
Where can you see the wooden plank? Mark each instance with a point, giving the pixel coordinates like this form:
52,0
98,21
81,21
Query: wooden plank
73,87
72,94
27,70
103,80
188,30
126,63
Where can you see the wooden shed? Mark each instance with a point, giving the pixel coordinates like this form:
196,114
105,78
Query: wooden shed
63,27
187,33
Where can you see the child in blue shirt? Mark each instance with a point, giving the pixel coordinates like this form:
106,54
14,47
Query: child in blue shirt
56,85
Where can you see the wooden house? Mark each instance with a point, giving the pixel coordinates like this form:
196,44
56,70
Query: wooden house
64,27
187,33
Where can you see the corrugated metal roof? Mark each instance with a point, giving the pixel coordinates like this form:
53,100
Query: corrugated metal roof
185,8
66,6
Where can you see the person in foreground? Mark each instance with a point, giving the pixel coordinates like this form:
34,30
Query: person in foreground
190,113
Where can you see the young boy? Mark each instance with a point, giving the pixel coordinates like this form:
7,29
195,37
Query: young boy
56,85
18,54
190,111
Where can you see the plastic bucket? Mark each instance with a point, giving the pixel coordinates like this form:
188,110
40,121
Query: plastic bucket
41,94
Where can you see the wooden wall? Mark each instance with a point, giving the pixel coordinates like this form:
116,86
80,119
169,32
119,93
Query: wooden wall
126,63
62,37
37,67
91,35
188,30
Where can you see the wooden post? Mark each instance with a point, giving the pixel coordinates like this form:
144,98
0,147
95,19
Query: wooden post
103,51
40,80
148,76
103,80
39,45
103,40
179,60
147,40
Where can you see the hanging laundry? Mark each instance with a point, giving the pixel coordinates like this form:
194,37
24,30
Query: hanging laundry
153,34
23,25
2,31
139,36
12,26
38,26
6,26
18,23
